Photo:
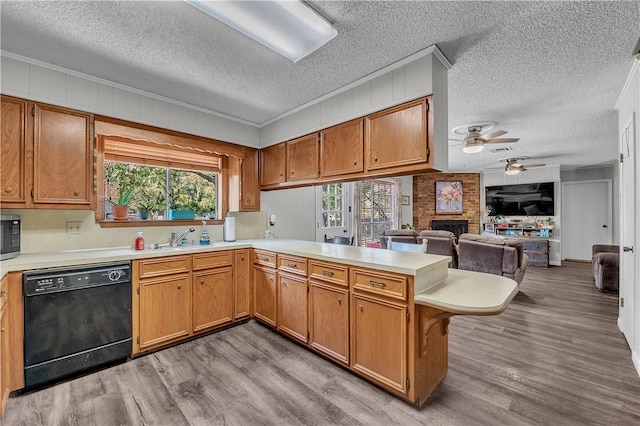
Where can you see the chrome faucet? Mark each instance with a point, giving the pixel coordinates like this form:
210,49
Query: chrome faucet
175,238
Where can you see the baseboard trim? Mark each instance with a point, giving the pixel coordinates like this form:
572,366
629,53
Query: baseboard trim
636,361
619,322
555,263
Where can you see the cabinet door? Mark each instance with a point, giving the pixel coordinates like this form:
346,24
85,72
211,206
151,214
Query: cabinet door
63,156
249,186
341,149
379,341
292,307
302,158
212,298
272,164
264,295
396,136
242,269
12,157
4,357
165,310
329,320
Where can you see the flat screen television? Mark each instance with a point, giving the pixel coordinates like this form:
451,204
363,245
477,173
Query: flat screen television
526,199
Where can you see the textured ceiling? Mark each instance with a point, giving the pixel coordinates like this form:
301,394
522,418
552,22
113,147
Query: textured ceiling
547,72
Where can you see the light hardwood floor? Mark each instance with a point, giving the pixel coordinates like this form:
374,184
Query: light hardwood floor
555,356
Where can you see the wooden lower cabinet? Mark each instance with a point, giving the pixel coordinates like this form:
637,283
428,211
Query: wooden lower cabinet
212,298
265,294
165,310
242,284
292,306
329,320
379,341
5,381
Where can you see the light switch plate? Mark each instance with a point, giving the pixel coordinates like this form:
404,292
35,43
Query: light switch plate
74,227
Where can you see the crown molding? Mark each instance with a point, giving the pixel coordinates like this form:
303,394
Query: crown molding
109,83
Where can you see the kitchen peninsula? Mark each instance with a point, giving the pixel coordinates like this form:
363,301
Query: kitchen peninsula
381,314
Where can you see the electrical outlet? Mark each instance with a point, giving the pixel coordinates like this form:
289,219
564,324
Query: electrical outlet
74,227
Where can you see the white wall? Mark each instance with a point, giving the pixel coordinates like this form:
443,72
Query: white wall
295,211
627,105
69,89
537,174
419,75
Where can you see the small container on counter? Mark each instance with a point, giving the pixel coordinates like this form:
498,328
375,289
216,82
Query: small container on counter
139,242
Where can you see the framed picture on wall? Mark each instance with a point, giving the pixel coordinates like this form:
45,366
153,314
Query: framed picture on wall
448,197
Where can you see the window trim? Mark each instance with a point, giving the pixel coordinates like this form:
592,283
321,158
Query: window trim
231,159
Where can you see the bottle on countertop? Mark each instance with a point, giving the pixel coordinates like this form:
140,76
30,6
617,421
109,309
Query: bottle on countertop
139,242
204,237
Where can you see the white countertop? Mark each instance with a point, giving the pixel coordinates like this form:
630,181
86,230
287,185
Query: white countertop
384,260
470,293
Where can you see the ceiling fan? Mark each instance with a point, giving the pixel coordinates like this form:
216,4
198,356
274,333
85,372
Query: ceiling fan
513,166
474,141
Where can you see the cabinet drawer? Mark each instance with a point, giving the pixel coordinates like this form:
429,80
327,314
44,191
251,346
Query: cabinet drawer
329,272
394,286
211,260
295,265
265,258
163,266
539,246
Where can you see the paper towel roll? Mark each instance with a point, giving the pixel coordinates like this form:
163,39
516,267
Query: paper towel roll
230,228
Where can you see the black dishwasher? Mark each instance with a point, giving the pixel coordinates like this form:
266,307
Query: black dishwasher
75,319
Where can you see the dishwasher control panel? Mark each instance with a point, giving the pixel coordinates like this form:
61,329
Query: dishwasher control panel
54,280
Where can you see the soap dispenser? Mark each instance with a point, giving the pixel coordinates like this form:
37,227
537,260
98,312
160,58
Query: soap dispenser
204,237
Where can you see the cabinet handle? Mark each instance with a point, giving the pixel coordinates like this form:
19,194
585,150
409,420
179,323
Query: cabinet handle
355,163
2,293
201,282
242,258
377,284
327,273
340,300
179,286
375,158
2,330
8,189
283,284
76,193
264,259
292,265
360,307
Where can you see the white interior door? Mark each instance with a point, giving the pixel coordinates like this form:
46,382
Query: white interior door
586,217
628,222
333,210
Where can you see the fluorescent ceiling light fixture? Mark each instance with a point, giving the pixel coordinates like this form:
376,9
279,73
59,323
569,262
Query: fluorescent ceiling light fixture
289,27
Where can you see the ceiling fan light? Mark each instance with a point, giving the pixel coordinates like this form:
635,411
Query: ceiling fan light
471,146
512,171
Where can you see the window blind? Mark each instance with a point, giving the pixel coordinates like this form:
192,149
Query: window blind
162,155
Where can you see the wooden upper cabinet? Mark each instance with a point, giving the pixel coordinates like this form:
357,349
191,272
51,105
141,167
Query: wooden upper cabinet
14,139
249,185
341,149
63,156
396,136
272,164
302,158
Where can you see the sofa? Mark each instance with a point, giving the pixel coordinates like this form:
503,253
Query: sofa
493,255
438,242
605,260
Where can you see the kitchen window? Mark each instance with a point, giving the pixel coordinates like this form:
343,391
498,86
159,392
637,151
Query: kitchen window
162,181
377,200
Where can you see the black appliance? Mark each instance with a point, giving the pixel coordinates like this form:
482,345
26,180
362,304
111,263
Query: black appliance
75,319
526,199
10,236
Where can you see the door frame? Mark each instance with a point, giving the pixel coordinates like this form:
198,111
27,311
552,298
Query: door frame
609,209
